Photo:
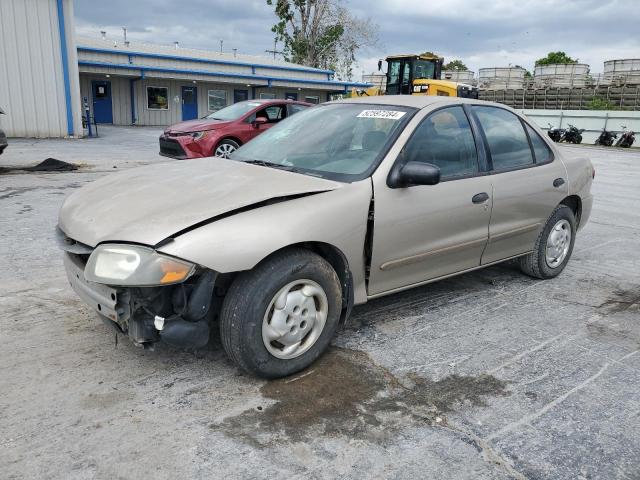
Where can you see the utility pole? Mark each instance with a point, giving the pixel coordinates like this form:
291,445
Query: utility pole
221,42
275,50
124,29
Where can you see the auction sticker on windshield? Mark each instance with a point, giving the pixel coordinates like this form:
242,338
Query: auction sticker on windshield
390,114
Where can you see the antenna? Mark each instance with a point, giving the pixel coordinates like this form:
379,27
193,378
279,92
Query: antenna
275,50
124,30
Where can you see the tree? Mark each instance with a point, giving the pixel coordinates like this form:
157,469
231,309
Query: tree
527,73
555,57
456,65
322,34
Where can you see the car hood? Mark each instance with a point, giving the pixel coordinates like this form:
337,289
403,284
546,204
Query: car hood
149,204
198,125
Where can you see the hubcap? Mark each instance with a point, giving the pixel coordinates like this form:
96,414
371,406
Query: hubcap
295,319
558,243
225,150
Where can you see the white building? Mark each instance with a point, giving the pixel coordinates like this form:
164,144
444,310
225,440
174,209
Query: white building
39,82
49,77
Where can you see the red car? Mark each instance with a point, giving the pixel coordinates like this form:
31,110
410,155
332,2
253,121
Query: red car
222,132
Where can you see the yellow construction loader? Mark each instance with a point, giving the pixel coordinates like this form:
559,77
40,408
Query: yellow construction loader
417,75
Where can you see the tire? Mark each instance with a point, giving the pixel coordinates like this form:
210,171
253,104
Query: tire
536,263
250,308
577,139
225,148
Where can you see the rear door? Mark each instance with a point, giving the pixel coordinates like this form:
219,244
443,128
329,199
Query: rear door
102,104
429,231
528,182
189,103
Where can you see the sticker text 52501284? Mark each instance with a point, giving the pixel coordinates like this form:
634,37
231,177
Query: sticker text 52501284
389,114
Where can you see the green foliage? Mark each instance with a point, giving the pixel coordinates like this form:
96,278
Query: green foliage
456,65
527,73
555,57
599,103
321,33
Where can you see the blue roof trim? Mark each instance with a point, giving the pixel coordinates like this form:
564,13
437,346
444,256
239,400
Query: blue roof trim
149,68
65,67
201,60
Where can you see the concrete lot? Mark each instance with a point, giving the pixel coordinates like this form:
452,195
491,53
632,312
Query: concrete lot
488,375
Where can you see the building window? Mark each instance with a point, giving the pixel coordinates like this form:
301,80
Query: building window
312,99
158,98
217,99
267,96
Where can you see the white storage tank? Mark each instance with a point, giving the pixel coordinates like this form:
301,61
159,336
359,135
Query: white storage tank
497,78
462,76
624,71
561,75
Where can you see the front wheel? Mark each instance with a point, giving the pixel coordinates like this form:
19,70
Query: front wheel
225,148
278,318
553,246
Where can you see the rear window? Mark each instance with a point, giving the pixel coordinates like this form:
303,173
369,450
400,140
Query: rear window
508,143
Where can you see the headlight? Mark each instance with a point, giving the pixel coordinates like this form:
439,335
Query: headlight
199,135
132,265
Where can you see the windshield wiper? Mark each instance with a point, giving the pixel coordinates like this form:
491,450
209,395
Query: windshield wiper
262,163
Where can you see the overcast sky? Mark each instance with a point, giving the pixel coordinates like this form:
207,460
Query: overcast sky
486,33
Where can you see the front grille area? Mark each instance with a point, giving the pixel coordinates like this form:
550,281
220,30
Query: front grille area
171,148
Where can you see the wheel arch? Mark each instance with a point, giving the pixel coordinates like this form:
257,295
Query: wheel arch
574,202
227,137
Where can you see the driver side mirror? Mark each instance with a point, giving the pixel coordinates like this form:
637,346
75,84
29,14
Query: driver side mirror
259,121
414,173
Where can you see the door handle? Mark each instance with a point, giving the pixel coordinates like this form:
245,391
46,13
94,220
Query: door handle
480,197
558,182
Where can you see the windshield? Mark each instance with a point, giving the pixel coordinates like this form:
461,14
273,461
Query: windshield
424,69
235,111
340,141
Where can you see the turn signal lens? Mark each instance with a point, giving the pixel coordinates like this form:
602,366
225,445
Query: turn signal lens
174,272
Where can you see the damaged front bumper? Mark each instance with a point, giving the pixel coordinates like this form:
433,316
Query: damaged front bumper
176,314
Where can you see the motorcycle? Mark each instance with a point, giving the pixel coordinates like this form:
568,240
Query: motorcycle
606,138
572,135
627,137
555,134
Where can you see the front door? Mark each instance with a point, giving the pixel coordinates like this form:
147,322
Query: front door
429,231
240,95
526,183
189,103
101,96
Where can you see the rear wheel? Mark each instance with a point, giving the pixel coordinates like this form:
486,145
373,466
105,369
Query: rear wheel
278,318
225,148
553,246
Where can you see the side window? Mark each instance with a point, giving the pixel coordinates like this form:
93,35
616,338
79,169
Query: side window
541,150
508,144
295,108
274,114
445,139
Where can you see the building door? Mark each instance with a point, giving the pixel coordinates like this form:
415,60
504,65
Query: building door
189,103
291,96
240,95
101,96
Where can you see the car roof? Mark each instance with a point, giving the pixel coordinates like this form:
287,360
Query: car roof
415,101
264,101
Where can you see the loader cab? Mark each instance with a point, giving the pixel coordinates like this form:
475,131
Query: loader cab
404,70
